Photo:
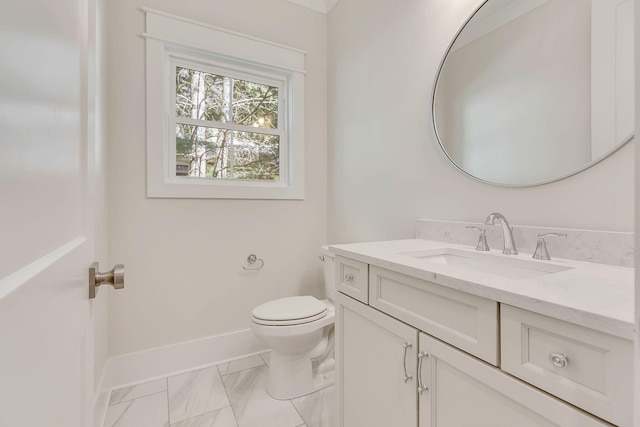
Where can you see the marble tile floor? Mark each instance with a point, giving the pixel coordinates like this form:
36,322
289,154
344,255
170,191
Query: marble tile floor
226,395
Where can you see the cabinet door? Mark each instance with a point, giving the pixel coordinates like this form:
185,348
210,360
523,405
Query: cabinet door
465,392
371,360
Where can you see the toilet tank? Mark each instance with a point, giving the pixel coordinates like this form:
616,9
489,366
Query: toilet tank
329,275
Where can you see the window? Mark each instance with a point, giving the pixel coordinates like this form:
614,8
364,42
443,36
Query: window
229,121
226,127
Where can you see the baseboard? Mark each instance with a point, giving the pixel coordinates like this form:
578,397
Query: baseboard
101,398
160,362
101,403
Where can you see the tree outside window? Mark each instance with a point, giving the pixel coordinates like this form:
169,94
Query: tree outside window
226,128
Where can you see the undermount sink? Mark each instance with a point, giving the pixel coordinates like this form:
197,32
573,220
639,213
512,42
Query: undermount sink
499,265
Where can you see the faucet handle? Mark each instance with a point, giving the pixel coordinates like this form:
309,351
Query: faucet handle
541,248
482,239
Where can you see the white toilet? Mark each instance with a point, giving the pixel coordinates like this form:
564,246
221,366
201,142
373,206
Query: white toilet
299,331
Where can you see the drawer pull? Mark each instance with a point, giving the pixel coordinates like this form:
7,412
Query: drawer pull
421,387
348,277
558,359
407,377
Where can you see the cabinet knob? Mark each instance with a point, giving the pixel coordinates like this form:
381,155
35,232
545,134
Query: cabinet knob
348,277
559,359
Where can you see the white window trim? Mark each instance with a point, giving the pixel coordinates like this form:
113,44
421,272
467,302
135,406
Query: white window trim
170,38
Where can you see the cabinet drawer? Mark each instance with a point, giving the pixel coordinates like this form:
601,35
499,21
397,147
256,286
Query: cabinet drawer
461,391
352,278
587,368
465,321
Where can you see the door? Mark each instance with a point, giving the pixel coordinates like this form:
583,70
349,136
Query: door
47,222
375,355
462,391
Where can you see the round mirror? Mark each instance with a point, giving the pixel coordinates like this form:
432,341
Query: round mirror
532,91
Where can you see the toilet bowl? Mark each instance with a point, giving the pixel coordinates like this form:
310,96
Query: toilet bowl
299,330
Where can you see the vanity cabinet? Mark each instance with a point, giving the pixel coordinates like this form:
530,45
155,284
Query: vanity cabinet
390,374
421,354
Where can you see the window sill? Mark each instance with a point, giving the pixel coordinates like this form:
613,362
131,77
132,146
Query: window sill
224,190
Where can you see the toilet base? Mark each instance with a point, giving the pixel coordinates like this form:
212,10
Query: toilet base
291,377
302,356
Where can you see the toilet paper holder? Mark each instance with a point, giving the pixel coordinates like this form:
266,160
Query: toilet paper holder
252,259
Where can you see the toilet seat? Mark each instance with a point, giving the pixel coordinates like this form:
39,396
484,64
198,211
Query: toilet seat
289,311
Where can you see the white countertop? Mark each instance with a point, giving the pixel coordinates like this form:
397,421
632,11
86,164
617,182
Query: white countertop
596,296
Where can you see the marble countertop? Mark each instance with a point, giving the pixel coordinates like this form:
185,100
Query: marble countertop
596,296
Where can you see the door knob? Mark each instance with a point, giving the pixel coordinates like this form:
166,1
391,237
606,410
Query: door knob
114,277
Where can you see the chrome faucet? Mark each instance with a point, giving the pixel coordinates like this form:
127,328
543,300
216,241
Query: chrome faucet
507,232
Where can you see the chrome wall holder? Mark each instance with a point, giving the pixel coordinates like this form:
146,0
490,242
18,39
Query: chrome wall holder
252,260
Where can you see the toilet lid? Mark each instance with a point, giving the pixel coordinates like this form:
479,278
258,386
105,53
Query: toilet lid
300,309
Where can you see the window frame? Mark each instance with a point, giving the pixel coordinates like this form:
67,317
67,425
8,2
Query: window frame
174,41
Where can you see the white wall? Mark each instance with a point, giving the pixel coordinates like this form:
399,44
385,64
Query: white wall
504,84
384,166
612,72
184,258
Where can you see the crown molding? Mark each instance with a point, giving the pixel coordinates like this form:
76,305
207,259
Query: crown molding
322,6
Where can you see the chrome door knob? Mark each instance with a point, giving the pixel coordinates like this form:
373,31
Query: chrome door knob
113,277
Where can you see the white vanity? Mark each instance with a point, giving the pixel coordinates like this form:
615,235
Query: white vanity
435,334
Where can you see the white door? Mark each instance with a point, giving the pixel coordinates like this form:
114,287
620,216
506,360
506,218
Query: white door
373,367
47,222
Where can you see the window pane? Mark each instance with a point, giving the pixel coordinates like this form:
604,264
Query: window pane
255,104
256,156
202,152
207,152
202,96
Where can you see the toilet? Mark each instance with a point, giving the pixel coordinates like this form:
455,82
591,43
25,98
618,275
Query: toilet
300,332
